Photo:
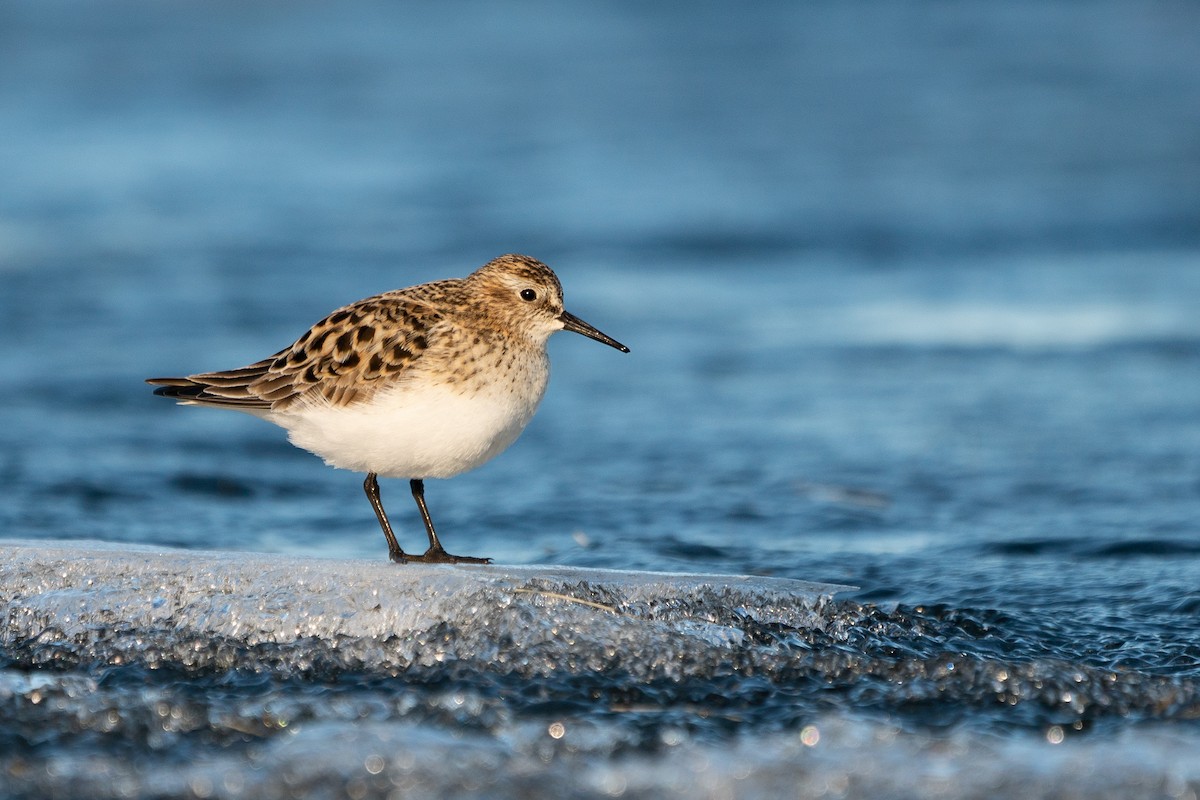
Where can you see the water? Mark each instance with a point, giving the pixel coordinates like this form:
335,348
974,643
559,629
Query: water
911,297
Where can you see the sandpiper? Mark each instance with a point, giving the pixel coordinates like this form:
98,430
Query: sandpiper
416,383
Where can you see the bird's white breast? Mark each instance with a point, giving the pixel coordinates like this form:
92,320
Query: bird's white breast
422,428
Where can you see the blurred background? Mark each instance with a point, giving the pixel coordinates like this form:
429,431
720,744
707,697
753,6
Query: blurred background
911,291
902,281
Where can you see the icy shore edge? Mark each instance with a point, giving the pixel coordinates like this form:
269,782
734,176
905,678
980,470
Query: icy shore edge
220,621
81,588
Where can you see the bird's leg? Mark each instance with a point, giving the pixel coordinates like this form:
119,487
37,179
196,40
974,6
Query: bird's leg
435,553
371,487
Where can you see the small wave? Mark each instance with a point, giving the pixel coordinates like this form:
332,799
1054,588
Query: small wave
1146,547
967,324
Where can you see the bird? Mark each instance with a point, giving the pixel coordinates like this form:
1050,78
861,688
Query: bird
424,382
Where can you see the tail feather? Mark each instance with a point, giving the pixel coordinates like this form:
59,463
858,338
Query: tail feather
179,388
232,389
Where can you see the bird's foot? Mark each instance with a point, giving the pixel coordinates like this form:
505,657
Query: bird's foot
436,555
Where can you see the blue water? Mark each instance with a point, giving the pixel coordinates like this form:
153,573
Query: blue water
911,294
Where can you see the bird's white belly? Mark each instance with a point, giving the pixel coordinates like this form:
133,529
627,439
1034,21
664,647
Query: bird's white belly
424,431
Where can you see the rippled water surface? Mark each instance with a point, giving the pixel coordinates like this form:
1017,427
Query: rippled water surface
911,297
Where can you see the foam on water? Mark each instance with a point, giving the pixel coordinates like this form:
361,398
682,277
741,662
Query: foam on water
373,759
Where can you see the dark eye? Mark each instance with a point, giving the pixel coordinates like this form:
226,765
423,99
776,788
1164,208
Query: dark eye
528,295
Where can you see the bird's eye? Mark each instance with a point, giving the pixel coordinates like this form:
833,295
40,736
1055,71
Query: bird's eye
529,295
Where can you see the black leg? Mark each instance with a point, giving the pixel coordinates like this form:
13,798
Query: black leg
371,487
435,553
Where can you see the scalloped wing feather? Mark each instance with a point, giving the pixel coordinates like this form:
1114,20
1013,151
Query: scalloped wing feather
343,359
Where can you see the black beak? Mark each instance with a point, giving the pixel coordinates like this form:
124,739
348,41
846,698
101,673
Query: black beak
573,323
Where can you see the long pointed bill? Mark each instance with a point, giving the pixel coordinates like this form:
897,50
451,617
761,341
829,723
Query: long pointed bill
573,323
